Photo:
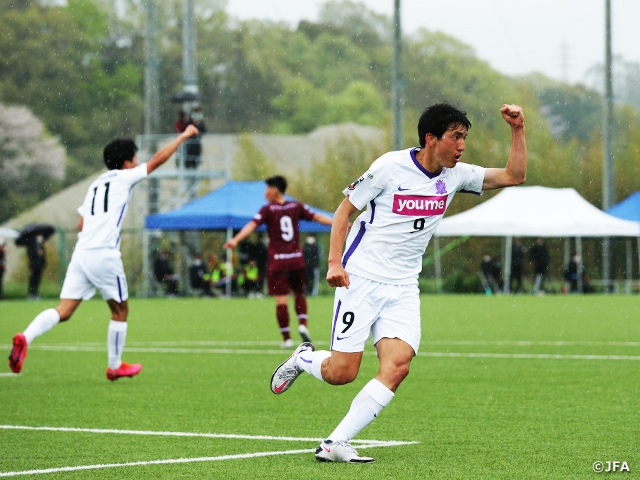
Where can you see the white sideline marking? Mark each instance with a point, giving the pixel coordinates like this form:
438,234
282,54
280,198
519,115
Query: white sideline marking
10,374
361,444
229,351
186,434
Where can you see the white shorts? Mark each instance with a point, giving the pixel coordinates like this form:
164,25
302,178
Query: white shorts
99,268
367,306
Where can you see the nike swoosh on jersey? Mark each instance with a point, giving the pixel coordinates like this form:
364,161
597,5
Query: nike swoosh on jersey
342,338
400,189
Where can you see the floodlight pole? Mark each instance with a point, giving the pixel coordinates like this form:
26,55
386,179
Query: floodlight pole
151,94
396,80
608,166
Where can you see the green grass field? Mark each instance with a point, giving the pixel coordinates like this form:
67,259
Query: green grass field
504,387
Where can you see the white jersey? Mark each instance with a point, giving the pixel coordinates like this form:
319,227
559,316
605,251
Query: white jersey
405,204
105,206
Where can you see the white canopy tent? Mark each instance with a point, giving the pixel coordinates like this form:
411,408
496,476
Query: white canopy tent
536,212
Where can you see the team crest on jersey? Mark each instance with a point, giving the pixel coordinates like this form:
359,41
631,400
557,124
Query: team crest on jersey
356,183
441,187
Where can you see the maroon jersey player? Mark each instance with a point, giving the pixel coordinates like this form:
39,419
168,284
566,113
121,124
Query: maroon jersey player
285,271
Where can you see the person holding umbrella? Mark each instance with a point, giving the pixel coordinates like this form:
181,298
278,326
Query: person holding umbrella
96,262
33,237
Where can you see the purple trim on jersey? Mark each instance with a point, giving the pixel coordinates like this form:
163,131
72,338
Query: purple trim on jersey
373,210
470,191
335,319
420,167
119,289
124,206
355,243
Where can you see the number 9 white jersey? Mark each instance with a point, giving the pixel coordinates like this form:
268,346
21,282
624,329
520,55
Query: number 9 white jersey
105,206
404,204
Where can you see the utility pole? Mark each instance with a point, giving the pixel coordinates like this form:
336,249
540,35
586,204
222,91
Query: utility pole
151,93
189,42
608,166
396,80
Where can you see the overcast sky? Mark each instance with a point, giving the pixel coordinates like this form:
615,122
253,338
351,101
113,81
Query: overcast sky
560,38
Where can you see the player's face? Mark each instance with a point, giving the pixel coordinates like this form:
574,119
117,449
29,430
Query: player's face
271,193
450,146
131,163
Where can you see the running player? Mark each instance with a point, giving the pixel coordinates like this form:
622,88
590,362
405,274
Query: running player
285,271
406,194
96,262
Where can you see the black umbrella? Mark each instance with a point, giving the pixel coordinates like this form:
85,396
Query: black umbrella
183,96
33,229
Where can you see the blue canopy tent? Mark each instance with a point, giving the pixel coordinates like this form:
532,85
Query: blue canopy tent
628,209
229,208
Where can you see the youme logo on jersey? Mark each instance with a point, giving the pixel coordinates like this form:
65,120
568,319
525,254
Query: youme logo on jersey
418,206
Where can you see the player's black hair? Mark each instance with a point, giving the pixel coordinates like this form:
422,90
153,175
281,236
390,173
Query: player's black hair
438,118
118,151
277,181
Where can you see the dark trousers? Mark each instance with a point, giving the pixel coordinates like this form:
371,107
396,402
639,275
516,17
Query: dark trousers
516,274
34,280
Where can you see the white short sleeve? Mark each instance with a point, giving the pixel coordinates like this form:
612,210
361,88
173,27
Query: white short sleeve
471,178
133,175
369,185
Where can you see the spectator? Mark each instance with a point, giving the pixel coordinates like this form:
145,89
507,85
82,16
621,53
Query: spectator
539,255
492,272
311,254
199,277
165,274
261,254
193,146
37,262
2,264
181,122
571,275
518,252
251,276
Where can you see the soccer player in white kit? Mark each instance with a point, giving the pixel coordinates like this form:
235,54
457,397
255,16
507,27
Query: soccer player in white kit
405,193
96,262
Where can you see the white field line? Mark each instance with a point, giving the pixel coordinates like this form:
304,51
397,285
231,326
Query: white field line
361,444
228,351
186,434
5,374
267,343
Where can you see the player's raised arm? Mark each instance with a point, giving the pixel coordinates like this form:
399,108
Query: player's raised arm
247,230
337,276
165,153
515,172
323,219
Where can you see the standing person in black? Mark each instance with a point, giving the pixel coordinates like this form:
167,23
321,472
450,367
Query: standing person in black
539,255
2,263
518,252
311,254
164,273
37,262
261,255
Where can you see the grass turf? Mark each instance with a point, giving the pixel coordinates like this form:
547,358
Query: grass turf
474,417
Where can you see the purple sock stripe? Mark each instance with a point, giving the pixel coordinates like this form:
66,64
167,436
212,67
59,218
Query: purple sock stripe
335,319
117,334
305,360
355,243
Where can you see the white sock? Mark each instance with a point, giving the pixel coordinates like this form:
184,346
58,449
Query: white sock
311,362
115,343
44,322
364,408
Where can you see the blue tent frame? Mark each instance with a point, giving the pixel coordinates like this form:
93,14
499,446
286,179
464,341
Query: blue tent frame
231,206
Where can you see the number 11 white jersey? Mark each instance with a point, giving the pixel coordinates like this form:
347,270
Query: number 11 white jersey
105,206
404,204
